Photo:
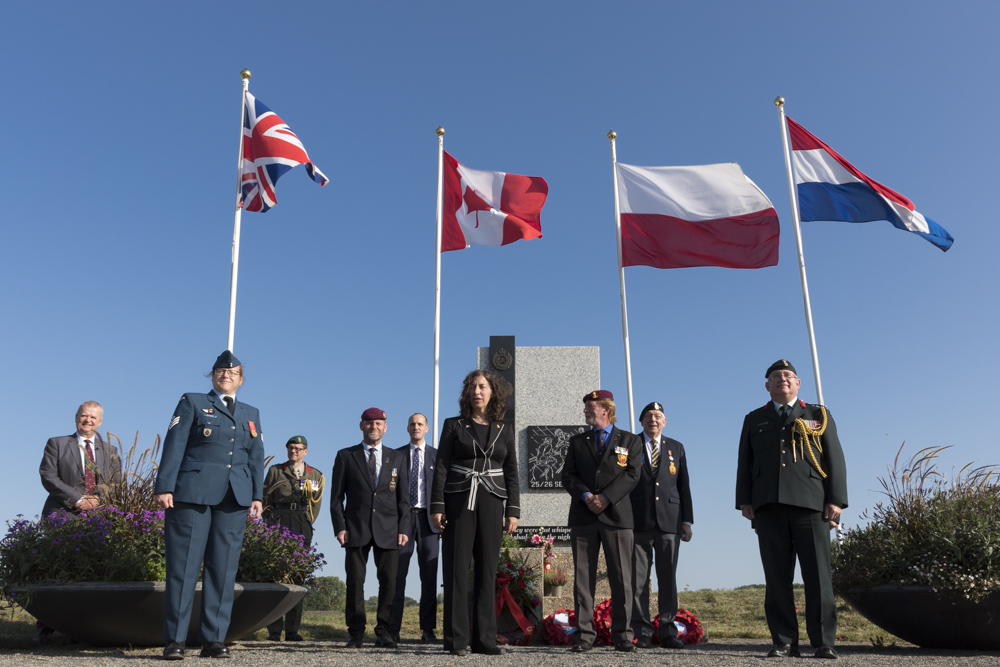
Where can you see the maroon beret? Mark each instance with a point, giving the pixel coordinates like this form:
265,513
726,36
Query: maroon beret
599,395
371,414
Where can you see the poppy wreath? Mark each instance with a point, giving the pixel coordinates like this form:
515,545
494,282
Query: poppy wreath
554,632
692,632
602,622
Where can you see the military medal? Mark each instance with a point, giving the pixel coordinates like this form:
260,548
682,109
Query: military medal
208,411
622,453
207,432
253,429
392,481
673,468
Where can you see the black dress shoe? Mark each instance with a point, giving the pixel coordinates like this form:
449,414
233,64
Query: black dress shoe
173,651
624,646
490,650
671,642
784,651
826,652
644,642
43,636
215,650
292,637
274,637
384,640
428,637
460,651
582,647
355,641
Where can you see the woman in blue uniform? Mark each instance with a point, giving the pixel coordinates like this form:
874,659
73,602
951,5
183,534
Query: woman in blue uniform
210,477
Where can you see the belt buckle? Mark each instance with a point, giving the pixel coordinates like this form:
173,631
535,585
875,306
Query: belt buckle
293,506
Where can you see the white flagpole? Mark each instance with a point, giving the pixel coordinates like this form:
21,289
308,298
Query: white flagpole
437,286
245,74
793,197
621,282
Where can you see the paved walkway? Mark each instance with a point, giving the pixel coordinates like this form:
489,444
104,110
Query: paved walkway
718,652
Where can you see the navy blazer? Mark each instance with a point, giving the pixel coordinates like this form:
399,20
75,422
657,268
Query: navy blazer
62,471
380,512
207,451
662,501
430,458
615,474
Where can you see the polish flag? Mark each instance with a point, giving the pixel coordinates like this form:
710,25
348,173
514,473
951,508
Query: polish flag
489,207
706,215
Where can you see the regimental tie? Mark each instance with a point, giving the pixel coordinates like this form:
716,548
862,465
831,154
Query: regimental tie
654,457
599,437
371,464
415,478
89,470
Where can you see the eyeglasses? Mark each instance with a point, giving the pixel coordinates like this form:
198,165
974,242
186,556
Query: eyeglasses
296,449
783,376
225,372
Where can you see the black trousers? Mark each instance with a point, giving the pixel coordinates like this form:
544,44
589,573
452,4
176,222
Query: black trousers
427,545
356,565
471,534
785,532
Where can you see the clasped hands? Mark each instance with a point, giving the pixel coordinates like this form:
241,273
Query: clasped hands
342,537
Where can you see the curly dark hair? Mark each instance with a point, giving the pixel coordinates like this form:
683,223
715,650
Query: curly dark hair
501,391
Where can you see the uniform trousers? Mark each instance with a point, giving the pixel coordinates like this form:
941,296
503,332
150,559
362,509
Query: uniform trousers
427,545
356,566
471,534
661,548
193,534
587,541
784,532
296,521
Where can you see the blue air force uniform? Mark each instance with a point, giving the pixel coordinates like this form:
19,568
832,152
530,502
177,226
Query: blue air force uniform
213,463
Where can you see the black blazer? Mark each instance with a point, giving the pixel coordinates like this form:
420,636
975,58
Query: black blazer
458,447
614,475
662,502
769,472
381,512
430,462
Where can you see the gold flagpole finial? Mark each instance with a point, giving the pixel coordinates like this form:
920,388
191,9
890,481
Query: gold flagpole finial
439,131
612,135
245,74
779,101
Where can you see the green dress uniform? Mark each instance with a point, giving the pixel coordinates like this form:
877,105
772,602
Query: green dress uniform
294,503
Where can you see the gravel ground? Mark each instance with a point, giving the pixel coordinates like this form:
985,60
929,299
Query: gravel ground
721,652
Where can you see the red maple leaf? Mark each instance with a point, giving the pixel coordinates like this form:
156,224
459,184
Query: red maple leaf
475,203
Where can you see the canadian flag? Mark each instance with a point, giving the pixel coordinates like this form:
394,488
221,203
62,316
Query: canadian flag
489,207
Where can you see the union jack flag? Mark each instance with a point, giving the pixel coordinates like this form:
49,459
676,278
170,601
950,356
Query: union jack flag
270,148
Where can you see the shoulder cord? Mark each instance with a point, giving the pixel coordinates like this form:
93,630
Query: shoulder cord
808,438
313,498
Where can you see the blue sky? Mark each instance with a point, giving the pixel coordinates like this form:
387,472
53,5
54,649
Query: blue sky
118,185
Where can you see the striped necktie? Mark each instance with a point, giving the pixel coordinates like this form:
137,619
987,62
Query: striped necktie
89,478
371,464
654,457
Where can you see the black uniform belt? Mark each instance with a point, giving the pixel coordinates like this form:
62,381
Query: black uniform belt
291,506
416,510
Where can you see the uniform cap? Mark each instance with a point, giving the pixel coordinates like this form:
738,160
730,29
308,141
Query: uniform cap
226,360
652,406
599,395
298,440
371,414
780,365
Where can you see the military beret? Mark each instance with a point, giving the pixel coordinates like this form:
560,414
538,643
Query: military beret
652,406
371,414
298,440
780,365
599,395
226,360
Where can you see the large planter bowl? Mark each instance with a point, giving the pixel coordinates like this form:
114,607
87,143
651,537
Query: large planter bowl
131,613
931,620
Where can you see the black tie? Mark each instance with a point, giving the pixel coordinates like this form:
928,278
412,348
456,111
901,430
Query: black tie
229,403
784,412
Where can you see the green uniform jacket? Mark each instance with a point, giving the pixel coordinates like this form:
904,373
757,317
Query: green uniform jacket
769,472
281,488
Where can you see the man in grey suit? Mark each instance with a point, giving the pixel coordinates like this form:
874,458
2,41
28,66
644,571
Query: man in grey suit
661,507
423,536
601,469
791,481
74,466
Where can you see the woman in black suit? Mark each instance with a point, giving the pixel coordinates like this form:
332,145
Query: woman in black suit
476,476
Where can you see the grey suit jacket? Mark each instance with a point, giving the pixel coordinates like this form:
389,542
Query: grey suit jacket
62,471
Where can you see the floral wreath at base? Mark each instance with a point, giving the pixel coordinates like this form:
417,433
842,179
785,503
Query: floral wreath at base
559,626
689,629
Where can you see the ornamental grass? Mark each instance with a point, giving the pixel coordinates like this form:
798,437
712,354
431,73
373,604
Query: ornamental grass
931,530
123,539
